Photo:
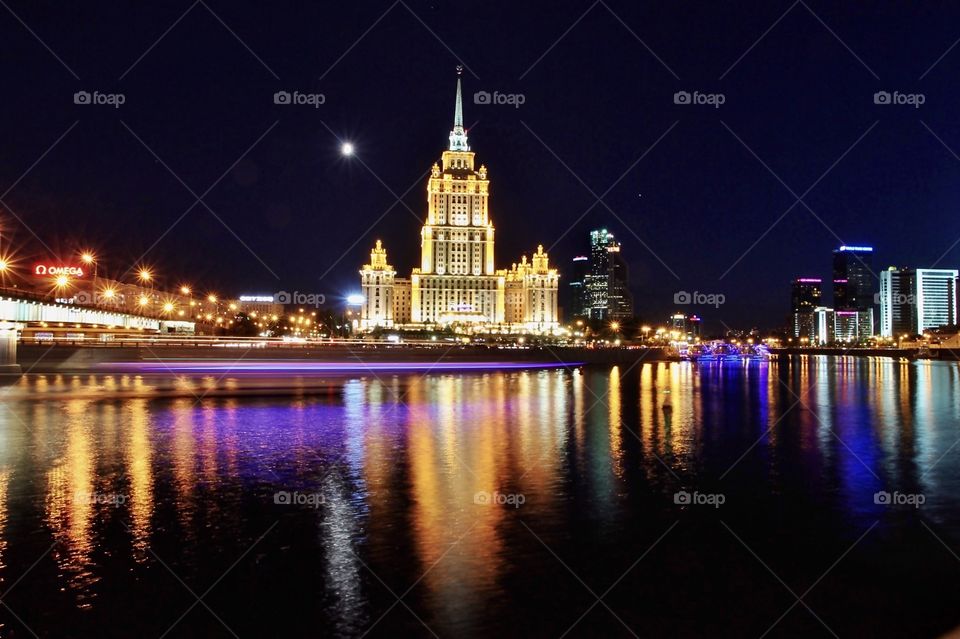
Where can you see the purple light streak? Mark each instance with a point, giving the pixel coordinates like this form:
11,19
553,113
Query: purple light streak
286,366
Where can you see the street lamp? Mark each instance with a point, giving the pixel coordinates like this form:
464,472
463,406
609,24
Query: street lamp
89,259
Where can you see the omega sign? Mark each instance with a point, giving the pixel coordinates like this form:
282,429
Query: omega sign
57,270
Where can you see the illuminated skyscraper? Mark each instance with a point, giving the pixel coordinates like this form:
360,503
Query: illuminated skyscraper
456,283
805,296
579,297
914,300
853,285
607,286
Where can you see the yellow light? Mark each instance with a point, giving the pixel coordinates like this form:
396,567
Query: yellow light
168,307
615,326
144,300
108,293
62,281
145,275
233,307
212,298
185,290
4,265
87,258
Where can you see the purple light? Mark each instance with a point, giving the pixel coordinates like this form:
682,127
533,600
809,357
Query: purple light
287,366
809,280
839,281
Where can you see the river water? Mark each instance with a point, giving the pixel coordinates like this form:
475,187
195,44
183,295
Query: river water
803,497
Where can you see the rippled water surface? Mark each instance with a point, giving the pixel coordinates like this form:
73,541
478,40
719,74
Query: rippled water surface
520,503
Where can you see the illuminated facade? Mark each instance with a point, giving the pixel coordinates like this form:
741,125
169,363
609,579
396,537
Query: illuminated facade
914,300
804,298
457,283
606,287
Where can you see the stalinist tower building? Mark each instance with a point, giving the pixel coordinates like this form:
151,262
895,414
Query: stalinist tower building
457,283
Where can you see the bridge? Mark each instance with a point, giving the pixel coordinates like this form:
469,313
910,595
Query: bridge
41,315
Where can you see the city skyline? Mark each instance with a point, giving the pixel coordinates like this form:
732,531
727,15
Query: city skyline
681,207
427,318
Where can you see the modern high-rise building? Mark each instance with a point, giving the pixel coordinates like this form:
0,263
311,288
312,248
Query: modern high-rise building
457,283
607,282
685,325
805,296
579,298
824,322
914,300
853,285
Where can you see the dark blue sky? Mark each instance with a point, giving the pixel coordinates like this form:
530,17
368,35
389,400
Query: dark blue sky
800,98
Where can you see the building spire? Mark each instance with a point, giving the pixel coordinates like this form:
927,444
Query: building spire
458,110
458,136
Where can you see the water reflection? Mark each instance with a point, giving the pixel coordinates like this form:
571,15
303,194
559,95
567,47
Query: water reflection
404,462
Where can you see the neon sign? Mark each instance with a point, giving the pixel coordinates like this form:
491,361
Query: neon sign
57,270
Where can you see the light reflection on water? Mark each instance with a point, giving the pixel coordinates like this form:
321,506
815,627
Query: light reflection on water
400,460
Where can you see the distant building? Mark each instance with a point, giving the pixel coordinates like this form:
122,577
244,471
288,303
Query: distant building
457,283
846,326
579,298
806,295
914,300
824,325
853,285
607,282
257,305
687,325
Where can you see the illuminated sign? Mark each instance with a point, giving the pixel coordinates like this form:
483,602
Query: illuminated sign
857,249
256,298
809,280
57,270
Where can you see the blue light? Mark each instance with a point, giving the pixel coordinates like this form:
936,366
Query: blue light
857,249
356,299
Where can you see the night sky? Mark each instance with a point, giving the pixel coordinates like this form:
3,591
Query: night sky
695,213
